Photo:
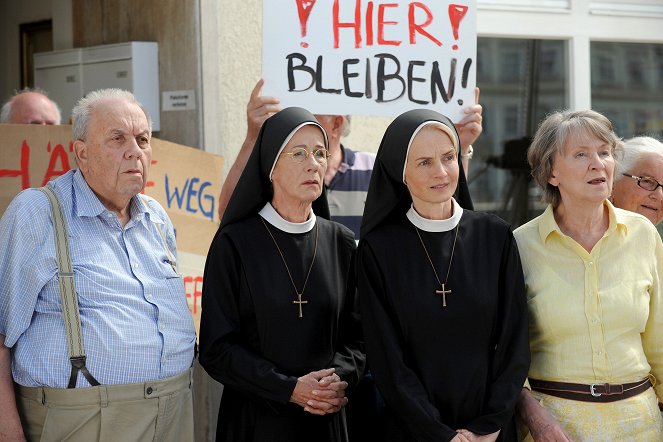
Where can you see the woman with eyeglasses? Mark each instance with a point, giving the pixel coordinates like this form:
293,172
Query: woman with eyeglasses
279,326
638,178
593,274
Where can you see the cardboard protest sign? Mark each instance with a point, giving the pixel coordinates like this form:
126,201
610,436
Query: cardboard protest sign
370,57
184,180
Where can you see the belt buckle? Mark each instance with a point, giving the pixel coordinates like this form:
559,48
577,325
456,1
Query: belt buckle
592,390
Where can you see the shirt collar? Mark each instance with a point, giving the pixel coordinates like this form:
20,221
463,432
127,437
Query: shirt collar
436,225
143,204
548,225
272,216
348,159
88,204
617,219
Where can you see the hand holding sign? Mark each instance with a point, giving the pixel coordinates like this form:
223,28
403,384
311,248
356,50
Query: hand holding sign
469,128
259,109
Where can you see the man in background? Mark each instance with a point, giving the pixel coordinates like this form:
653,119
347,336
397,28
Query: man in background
30,106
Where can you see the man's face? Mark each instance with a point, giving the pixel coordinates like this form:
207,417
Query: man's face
116,155
332,124
33,108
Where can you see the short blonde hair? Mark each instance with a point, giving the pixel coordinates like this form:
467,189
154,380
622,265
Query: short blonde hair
551,136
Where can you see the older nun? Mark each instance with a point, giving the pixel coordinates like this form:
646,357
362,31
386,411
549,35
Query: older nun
279,326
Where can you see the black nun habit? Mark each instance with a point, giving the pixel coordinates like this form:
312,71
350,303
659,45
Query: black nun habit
439,367
254,337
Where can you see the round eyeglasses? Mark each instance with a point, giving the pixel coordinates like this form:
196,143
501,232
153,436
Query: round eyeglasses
299,155
647,183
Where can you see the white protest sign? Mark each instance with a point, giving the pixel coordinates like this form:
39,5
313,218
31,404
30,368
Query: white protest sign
370,57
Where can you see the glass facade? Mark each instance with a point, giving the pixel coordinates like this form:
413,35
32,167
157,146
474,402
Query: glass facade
521,81
627,86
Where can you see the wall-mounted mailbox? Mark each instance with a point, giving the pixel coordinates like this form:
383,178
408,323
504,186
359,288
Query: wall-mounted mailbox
70,74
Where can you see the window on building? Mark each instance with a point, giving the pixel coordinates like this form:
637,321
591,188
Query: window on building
525,80
633,101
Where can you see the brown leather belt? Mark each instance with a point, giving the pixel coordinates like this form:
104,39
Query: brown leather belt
592,392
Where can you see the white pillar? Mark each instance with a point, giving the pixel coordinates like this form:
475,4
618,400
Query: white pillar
211,51
579,74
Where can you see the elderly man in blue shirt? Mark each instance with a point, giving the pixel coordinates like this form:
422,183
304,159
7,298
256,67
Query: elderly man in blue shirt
137,333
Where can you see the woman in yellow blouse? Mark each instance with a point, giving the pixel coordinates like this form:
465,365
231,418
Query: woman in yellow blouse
594,294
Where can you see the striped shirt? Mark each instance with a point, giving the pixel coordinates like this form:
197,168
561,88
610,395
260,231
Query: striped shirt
135,319
347,191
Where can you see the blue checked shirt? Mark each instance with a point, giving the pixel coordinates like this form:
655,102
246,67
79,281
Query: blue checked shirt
136,323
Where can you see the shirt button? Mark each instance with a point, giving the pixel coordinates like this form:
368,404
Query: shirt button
136,264
591,263
148,390
149,297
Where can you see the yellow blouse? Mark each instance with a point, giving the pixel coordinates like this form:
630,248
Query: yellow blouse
594,317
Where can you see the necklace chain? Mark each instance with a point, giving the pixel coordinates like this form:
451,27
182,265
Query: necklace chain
453,248
315,250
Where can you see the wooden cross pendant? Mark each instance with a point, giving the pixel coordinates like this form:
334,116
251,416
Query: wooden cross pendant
300,302
442,292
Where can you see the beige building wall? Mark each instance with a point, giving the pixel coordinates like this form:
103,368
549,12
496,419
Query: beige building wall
175,26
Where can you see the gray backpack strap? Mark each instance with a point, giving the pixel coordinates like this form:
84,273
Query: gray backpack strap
71,316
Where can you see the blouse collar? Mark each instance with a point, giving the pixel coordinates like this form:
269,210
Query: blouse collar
272,216
548,225
436,225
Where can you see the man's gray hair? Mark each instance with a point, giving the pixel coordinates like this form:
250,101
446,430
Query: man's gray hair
86,105
6,111
345,128
634,150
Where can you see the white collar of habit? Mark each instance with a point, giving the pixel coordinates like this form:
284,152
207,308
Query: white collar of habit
436,225
272,216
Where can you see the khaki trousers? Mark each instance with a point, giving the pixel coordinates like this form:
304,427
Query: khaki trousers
141,412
